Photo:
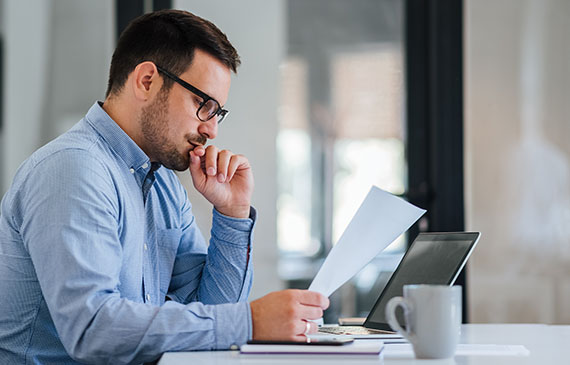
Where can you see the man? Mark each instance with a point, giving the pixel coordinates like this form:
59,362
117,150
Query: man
101,260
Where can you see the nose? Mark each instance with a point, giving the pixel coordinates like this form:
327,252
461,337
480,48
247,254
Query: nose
209,128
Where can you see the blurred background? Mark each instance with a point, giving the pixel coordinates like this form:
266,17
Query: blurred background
457,106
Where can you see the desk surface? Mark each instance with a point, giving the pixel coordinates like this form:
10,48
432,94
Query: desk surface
547,345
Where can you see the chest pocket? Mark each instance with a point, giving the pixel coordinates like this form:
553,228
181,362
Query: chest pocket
168,241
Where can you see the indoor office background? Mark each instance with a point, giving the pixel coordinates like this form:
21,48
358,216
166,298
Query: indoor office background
322,106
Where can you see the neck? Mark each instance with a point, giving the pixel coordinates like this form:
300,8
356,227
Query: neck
125,116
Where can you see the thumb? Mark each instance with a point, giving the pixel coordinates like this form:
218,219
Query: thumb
198,175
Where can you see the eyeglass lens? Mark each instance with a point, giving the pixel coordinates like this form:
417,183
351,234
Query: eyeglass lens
208,110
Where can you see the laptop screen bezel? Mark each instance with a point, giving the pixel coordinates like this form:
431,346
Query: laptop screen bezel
431,236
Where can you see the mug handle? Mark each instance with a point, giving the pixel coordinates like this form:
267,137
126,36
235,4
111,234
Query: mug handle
407,306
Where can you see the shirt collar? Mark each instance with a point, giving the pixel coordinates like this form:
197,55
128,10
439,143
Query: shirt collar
120,142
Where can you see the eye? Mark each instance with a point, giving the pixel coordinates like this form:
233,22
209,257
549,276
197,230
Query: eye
197,101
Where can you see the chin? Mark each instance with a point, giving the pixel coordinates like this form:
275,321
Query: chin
179,162
177,167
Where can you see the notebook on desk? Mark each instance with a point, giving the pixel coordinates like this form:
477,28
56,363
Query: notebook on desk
433,258
369,348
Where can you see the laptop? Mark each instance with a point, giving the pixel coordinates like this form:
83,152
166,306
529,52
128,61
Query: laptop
433,258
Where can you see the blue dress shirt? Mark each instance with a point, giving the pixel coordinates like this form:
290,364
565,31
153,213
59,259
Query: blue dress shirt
101,260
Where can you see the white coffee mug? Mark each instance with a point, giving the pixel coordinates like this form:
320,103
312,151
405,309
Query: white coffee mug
432,314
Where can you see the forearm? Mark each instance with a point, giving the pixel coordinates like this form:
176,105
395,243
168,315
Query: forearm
228,272
122,331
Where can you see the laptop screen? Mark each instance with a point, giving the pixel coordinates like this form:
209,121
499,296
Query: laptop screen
433,258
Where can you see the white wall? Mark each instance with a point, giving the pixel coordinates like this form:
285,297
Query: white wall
517,133
256,28
26,35
57,56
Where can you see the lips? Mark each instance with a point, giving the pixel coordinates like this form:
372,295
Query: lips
194,145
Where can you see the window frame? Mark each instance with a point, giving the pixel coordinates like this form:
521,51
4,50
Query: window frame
434,84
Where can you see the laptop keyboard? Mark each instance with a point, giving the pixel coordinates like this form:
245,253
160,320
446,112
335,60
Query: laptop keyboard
351,330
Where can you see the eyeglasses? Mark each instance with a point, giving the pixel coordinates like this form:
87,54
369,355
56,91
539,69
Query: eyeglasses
209,107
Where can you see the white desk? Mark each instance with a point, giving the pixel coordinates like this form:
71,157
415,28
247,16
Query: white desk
547,345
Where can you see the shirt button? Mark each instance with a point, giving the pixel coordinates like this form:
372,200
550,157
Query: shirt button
145,247
145,165
148,297
132,170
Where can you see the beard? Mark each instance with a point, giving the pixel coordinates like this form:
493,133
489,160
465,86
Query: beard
155,131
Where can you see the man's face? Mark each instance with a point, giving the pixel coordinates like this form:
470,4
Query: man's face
169,125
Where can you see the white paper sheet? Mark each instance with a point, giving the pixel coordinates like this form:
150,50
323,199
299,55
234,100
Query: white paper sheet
406,351
381,218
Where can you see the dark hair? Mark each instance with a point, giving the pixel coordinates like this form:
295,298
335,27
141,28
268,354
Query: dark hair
168,38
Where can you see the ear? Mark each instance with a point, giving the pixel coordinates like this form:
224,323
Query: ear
145,81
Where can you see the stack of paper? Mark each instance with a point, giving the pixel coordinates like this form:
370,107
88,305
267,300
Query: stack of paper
368,347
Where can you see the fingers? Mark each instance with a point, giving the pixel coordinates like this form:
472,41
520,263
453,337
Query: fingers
198,175
215,163
304,328
223,163
310,328
310,305
309,312
312,298
211,160
236,162
281,315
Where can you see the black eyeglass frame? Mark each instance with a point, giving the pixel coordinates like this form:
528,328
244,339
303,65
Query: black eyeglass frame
220,113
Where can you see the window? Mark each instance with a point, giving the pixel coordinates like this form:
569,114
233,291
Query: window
294,163
368,143
342,128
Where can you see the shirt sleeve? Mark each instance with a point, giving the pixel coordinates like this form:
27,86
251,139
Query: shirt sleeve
69,227
226,272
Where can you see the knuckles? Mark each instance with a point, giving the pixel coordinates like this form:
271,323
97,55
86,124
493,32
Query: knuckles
294,293
290,328
291,311
289,295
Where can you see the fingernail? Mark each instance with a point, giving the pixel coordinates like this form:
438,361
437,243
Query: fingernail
211,171
221,178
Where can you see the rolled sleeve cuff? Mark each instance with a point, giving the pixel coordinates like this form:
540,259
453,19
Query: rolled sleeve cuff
234,230
232,324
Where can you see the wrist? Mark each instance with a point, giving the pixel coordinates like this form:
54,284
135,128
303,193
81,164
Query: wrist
253,312
235,211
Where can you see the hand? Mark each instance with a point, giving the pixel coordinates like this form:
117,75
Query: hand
283,315
223,178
